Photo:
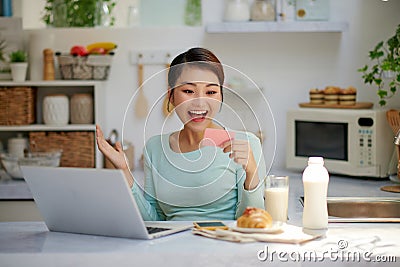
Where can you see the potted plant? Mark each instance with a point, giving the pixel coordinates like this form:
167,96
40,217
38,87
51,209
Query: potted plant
385,73
19,65
78,13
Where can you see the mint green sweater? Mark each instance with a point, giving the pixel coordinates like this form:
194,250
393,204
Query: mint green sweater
204,184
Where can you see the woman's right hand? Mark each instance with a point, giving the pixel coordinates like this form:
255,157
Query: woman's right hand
115,155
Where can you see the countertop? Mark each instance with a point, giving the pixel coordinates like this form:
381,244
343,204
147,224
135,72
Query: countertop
13,189
30,243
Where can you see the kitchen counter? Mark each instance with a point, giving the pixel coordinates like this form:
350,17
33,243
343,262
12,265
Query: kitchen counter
30,243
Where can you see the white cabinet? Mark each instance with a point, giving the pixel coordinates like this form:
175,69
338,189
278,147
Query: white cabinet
67,87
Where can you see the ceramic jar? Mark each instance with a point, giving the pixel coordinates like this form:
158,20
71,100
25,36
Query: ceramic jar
56,109
237,10
263,10
17,145
82,109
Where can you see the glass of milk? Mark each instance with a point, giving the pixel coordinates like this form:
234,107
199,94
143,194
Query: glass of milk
277,197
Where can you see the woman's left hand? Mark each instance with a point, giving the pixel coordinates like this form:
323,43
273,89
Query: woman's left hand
241,153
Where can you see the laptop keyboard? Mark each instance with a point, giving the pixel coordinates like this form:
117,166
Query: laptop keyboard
153,230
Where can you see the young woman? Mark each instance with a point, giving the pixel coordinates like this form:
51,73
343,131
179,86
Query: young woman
183,179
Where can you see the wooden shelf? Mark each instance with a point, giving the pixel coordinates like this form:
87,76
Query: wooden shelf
69,88
270,26
44,127
357,105
51,83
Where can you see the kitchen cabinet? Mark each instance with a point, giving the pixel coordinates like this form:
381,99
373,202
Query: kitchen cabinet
67,87
269,26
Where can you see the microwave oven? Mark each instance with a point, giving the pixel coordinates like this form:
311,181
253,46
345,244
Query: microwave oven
353,142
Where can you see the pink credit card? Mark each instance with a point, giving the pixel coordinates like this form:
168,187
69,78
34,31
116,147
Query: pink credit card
216,137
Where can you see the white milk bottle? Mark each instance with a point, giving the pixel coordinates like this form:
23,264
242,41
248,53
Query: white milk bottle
315,182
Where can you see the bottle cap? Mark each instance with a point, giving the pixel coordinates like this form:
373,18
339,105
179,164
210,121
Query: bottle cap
315,160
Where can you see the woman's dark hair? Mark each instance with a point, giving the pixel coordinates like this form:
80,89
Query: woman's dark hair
197,57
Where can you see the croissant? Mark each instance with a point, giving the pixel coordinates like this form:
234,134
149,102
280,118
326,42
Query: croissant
254,218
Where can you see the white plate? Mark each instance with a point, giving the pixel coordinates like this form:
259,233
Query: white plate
275,229
394,178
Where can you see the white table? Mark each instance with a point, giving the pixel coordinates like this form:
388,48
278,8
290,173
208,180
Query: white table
31,244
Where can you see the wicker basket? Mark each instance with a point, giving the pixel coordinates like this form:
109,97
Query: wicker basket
92,67
78,148
17,105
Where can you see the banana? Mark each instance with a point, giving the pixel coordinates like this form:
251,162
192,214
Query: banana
105,45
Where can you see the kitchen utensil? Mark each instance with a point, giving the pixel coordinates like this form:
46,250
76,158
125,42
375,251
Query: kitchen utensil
166,110
113,137
141,107
393,117
48,65
126,146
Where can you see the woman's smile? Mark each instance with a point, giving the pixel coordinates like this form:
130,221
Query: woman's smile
198,115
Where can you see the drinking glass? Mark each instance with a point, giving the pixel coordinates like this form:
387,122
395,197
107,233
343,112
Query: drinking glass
277,197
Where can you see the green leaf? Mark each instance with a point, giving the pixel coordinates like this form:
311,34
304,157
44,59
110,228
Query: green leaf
375,69
18,56
387,56
386,65
376,54
378,46
382,93
80,13
368,78
378,81
398,33
364,69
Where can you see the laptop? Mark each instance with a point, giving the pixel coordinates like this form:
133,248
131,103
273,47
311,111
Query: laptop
91,201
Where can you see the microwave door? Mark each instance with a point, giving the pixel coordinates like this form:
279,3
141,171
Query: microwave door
324,139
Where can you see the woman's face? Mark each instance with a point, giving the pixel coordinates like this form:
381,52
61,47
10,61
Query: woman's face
197,97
